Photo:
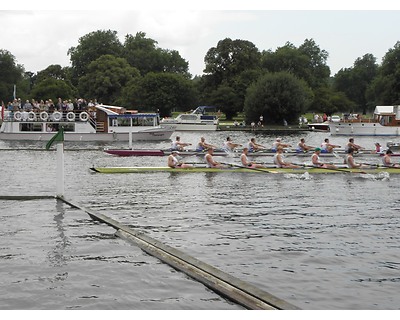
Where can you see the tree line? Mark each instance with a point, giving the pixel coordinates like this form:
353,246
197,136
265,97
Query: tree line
238,77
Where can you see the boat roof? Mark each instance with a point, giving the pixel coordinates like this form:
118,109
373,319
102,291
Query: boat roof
201,109
119,112
380,110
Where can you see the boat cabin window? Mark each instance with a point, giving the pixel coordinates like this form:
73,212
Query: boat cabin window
188,117
30,127
136,121
50,127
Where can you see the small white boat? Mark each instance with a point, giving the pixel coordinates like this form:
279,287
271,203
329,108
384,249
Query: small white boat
198,120
385,122
319,126
104,123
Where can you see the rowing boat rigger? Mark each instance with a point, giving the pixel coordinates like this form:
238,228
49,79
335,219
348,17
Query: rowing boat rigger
373,170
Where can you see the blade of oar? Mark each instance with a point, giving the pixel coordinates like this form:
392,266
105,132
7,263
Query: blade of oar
249,168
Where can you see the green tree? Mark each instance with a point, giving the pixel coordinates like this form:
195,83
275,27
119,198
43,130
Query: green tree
105,78
143,54
385,88
51,88
355,81
11,74
165,92
277,96
307,62
92,46
230,68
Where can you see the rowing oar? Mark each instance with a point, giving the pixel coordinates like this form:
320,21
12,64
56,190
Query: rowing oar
249,168
333,169
393,165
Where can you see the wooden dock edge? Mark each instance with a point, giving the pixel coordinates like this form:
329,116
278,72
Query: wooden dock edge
230,287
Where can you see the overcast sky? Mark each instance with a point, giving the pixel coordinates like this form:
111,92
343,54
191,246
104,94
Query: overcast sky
39,33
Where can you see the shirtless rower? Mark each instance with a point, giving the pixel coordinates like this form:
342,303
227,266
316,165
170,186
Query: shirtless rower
387,161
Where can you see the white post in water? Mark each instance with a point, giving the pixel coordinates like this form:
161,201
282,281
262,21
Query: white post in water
130,138
60,170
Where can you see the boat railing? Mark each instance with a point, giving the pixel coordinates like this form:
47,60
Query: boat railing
47,116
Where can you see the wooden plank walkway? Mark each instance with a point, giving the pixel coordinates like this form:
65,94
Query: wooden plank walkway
230,287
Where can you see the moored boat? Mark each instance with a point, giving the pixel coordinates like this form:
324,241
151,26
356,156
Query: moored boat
198,120
319,126
103,123
234,168
385,122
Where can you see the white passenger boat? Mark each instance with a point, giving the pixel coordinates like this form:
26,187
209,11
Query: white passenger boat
104,123
198,120
385,122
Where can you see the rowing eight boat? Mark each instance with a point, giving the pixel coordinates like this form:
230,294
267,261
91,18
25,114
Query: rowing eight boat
219,152
373,170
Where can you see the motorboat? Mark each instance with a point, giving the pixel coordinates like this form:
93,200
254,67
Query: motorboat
385,122
201,119
100,123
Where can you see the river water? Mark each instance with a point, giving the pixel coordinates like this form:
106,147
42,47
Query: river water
317,241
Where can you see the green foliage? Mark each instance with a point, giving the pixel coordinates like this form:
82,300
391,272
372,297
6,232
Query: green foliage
143,54
51,88
165,92
307,62
354,82
328,101
105,78
11,74
385,88
277,96
92,46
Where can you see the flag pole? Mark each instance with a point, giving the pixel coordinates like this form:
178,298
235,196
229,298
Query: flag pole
60,170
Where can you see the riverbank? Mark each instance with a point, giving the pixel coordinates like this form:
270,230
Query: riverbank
271,129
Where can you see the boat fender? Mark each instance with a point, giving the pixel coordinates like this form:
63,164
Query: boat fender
57,116
83,116
71,116
44,115
18,115
31,116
